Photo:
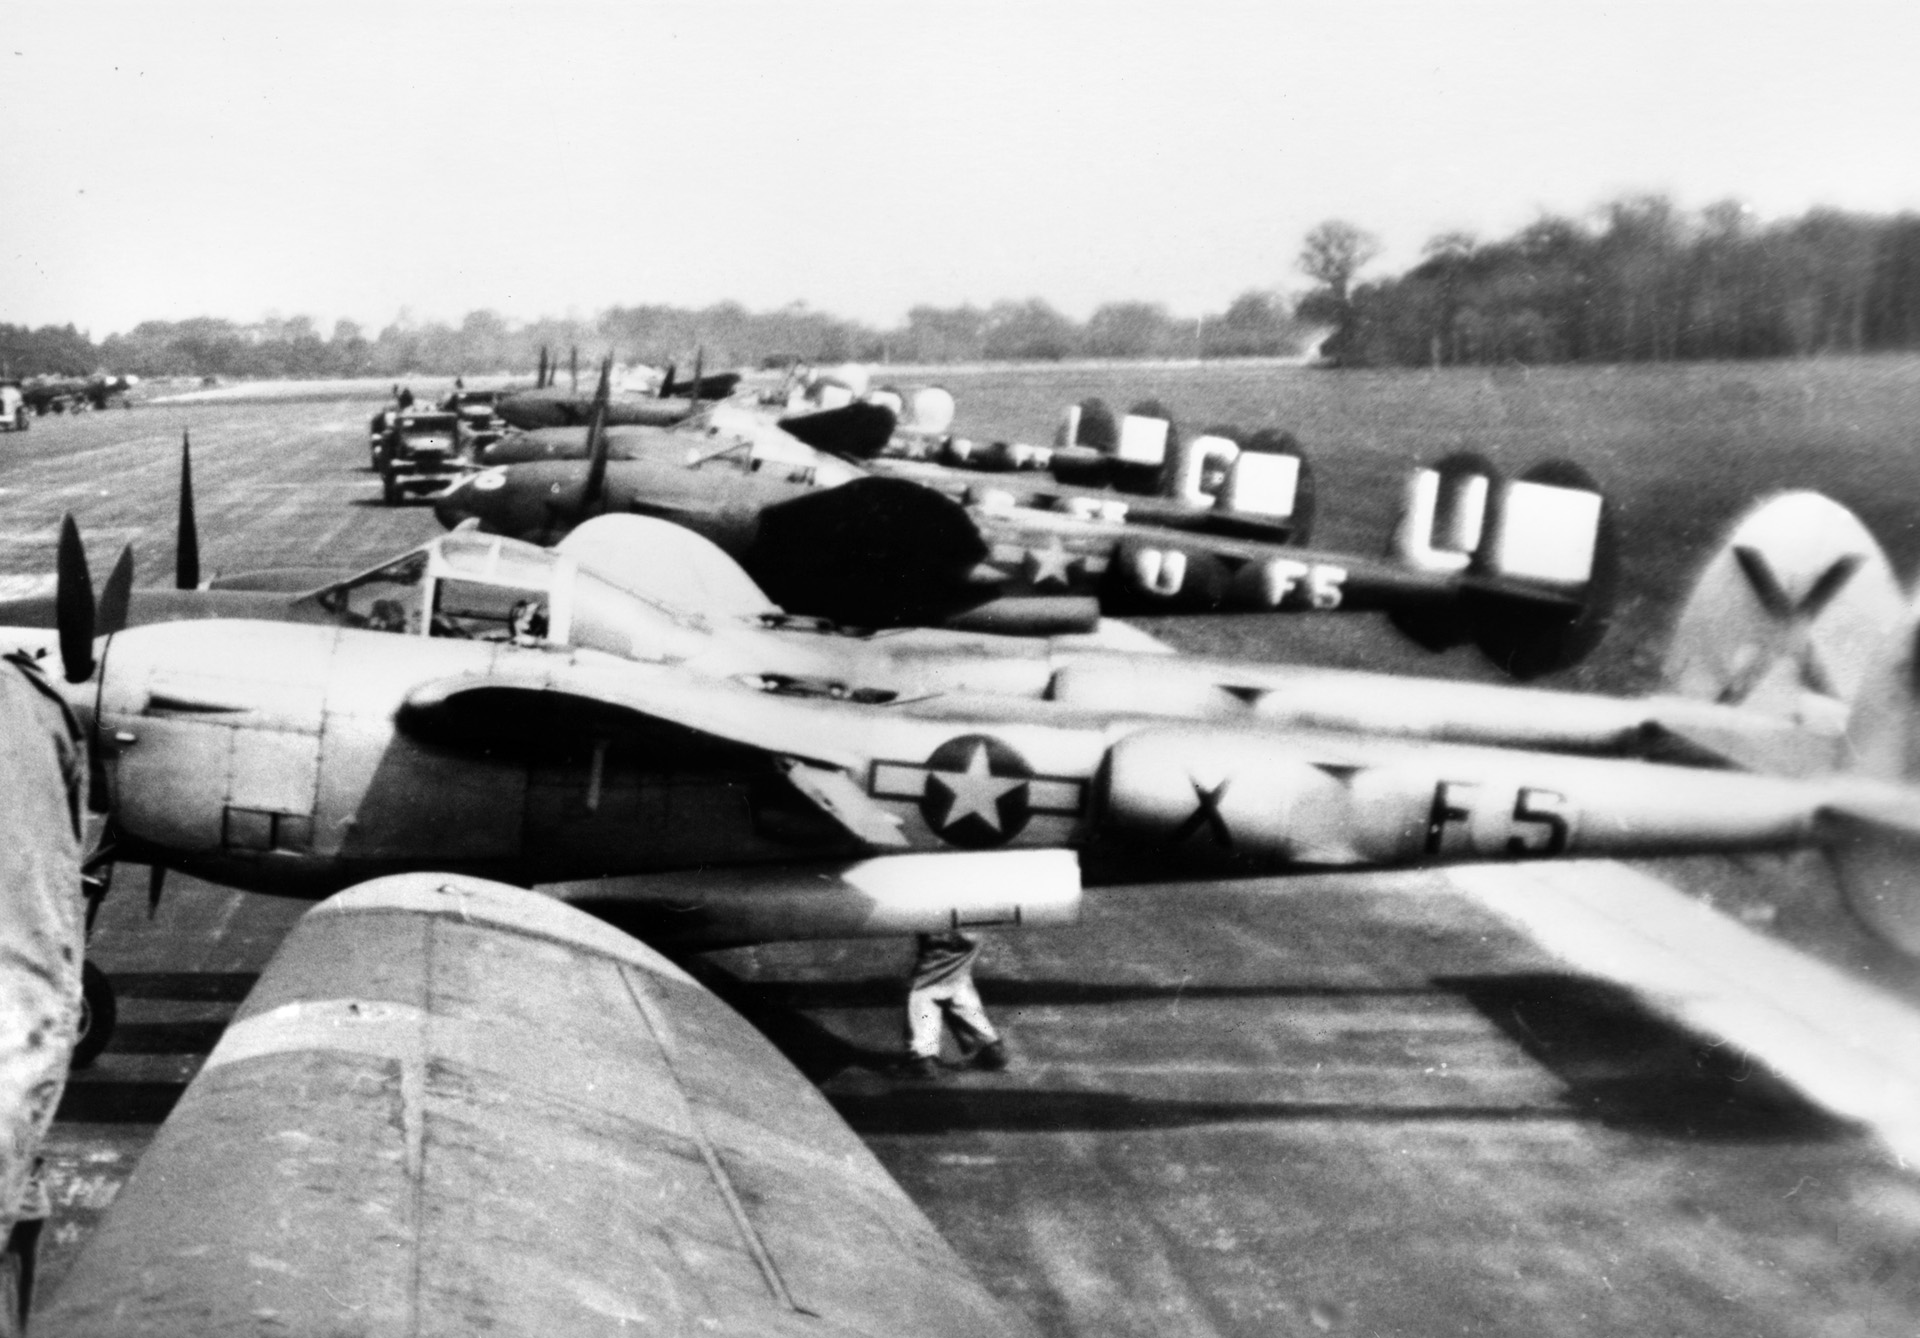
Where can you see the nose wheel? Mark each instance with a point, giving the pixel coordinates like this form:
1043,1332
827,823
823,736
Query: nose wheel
98,1012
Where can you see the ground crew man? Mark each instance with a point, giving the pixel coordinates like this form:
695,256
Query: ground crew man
941,991
42,938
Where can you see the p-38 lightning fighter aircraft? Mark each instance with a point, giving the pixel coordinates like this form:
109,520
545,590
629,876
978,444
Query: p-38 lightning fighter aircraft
554,719
1521,568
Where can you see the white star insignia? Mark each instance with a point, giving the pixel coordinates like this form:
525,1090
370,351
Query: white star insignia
975,792
1048,564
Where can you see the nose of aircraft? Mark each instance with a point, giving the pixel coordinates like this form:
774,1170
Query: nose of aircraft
467,499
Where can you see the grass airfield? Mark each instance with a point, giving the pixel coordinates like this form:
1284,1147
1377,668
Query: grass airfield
1337,1105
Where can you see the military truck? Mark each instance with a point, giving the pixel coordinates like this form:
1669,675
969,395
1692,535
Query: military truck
421,452
479,417
13,407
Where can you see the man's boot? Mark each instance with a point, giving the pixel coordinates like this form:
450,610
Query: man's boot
921,1068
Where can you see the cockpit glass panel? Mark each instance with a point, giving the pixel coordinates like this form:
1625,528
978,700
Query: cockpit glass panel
495,560
478,611
386,599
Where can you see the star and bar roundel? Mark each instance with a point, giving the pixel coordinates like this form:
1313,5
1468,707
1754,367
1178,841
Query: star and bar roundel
975,791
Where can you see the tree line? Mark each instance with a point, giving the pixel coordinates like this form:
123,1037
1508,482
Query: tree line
1640,280
1256,323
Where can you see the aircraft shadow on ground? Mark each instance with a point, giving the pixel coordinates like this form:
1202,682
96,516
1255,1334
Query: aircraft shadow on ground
889,991
781,1009
185,986
94,1096
813,1049
1633,1070
1623,1066
167,1038
118,1101
947,1108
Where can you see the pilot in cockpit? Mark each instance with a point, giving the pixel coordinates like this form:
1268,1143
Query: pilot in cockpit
529,622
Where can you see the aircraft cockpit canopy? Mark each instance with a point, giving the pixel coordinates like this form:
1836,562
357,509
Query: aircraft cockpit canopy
471,586
485,587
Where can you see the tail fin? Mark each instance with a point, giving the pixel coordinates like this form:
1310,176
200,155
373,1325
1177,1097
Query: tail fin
1445,513
1798,616
1793,611
1536,558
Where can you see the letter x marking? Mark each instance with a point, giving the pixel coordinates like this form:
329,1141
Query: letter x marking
1207,814
1791,634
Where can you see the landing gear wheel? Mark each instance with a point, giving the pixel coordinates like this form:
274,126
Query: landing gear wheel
391,491
98,1013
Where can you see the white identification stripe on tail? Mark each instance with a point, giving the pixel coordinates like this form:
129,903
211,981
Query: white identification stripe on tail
1143,441
1262,485
1846,1046
1547,534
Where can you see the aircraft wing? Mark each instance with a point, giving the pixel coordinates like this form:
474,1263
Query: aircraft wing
450,1105
588,688
1843,1044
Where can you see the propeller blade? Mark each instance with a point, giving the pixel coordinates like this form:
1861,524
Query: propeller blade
573,367
73,605
186,544
597,439
96,872
699,368
156,882
115,595
540,377
666,385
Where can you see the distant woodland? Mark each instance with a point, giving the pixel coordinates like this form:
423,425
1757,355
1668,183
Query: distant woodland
1639,280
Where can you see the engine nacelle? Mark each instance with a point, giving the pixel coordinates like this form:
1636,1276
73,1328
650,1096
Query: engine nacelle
1255,803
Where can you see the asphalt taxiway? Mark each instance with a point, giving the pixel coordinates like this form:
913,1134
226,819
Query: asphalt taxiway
1365,1105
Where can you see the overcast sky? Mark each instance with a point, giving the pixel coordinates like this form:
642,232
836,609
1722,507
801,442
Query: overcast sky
165,160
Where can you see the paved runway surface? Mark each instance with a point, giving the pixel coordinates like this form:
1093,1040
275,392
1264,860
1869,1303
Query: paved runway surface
1359,1106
